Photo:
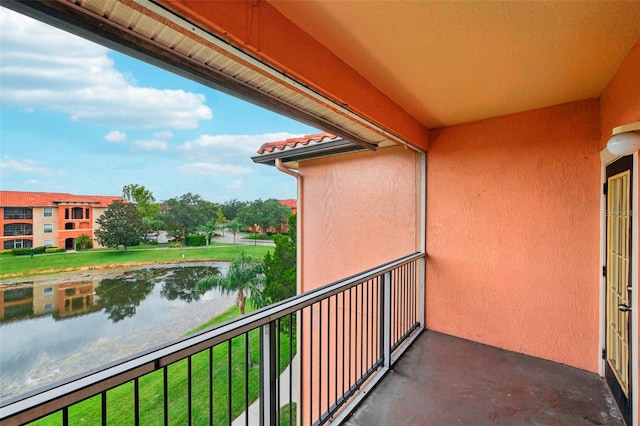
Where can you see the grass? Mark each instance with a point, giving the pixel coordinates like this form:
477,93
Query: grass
18,266
120,402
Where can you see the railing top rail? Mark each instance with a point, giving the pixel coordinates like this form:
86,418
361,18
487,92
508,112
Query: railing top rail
153,359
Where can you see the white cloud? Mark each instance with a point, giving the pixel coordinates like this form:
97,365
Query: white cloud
165,134
236,184
151,145
230,147
46,68
215,169
10,165
115,136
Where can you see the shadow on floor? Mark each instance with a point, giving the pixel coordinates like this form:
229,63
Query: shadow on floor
443,380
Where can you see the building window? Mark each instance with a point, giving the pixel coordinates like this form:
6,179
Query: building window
48,211
48,308
48,292
76,213
11,244
18,213
48,228
48,243
16,229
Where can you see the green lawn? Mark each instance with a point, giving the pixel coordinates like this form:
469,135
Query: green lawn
11,266
120,402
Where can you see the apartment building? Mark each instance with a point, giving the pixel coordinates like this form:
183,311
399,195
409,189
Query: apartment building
34,219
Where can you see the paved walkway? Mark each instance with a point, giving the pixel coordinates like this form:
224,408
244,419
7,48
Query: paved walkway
254,409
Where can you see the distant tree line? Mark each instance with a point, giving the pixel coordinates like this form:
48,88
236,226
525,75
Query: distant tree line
126,223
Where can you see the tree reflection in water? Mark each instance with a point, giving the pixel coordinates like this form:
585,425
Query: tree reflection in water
180,283
120,296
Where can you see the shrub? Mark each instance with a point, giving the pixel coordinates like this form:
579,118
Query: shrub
54,250
39,250
194,240
83,242
21,251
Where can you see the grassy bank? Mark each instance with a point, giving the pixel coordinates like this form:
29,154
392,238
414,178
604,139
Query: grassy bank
18,266
120,402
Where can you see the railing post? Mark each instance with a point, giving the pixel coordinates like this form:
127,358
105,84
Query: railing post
386,314
269,375
423,270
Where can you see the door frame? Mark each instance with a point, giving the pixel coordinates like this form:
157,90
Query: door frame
607,158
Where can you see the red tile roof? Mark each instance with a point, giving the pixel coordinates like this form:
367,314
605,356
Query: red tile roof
291,203
295,142
47,199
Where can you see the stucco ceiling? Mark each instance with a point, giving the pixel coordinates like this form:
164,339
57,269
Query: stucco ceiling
453,62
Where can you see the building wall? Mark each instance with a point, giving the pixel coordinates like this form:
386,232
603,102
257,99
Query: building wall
513,232
358,211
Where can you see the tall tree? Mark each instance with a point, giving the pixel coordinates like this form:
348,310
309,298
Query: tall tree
234,227
231,208
182,215
245,278
280,269
143,199
120,224
267,213
221,221
208,229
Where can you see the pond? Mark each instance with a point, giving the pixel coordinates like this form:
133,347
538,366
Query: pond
56,327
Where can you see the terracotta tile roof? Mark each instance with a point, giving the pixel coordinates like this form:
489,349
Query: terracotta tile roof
47,199
296,142
291,203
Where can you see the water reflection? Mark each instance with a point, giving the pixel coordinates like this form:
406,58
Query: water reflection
51,330
118,297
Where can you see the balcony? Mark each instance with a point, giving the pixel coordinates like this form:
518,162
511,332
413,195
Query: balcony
346,342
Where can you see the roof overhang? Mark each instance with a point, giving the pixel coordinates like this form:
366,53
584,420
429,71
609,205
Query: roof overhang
292,156
152,33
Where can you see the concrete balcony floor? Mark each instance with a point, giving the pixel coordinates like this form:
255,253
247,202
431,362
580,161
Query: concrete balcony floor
443,380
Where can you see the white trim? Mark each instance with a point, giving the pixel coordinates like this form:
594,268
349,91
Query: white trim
607,158
634,292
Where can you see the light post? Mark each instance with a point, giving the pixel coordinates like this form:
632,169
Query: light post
255,234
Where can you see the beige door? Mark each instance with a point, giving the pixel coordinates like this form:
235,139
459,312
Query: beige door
618,283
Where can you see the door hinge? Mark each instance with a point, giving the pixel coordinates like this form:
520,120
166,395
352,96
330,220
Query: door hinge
605,188
604,271
604,353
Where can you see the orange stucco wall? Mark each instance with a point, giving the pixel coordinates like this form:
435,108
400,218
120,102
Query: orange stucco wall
513,232
260,29
620,101
358,211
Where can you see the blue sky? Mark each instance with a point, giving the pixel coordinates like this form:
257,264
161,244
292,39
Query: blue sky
77,117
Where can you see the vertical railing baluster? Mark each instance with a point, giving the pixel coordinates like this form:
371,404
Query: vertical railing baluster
136,402
328,352
291,355
365,311
335,361
247,354
423,265
189,392
211,385
165,402
386,334
269,375
65,416
229,381
344,308
311,369
103,400
278,366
